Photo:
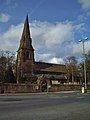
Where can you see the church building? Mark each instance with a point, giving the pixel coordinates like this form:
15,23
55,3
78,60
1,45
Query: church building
27,67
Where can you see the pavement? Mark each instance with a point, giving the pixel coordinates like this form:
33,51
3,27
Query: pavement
39,93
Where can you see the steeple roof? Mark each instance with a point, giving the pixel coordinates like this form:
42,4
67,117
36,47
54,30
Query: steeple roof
26,41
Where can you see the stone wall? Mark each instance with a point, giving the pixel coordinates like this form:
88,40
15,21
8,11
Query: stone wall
59,88
33,88
19,88
65,88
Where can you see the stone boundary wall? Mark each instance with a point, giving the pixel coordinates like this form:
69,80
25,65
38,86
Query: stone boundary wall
18,88
58,88
34,88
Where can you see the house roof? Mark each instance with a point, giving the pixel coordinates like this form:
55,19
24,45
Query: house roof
48,68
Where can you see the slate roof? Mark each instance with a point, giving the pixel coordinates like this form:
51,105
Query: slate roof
48,68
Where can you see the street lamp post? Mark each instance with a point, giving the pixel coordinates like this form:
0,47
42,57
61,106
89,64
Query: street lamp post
85,76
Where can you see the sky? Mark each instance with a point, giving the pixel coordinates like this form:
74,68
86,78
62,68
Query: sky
56,26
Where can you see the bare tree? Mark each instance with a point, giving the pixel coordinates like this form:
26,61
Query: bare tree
71,64
7,60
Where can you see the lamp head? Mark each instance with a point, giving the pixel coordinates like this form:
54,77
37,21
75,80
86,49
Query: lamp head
79,40
86,38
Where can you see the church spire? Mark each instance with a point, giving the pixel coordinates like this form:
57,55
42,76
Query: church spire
25,54
26,41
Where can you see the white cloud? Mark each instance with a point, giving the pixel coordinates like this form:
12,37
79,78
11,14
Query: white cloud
42,57
51,35
58,33
4,17
11,38
85,4
80,27
76,49
49,58
56,39
52,42
56,60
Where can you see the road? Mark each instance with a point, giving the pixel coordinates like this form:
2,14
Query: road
46,106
